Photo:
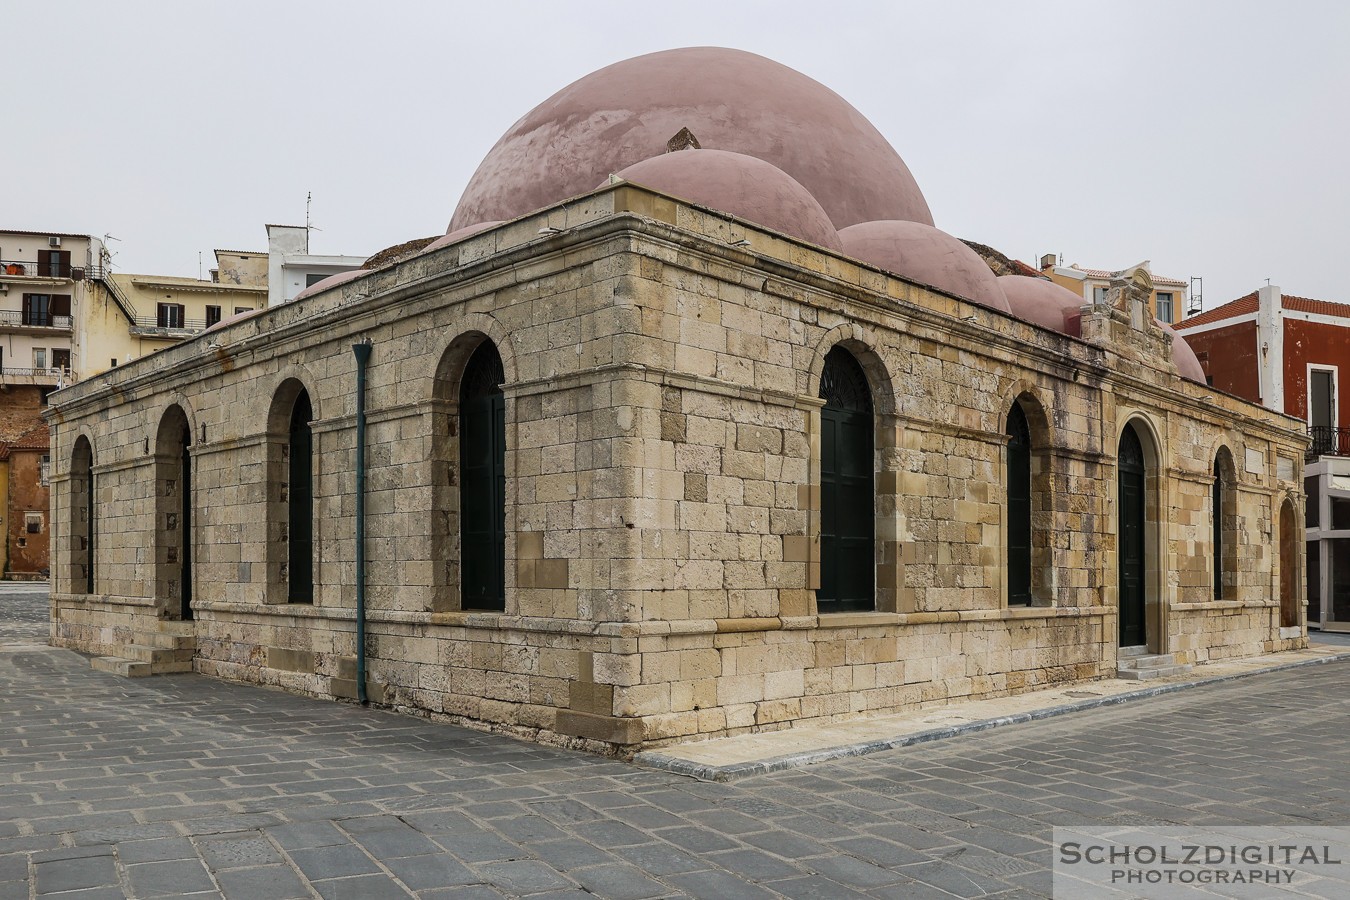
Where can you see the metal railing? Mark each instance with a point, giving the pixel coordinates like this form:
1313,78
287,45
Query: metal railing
52,373
27,268
1327,440
32,319
154,323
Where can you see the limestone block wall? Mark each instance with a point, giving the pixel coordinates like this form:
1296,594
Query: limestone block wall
663,487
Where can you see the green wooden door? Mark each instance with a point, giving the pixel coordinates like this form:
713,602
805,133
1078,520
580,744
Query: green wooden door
1130,535
482,463
300,501
1019,508
847,517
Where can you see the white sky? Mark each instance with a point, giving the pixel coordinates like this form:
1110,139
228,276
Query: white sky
1209,137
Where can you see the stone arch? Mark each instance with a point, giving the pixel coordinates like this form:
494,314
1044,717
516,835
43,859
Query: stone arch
1223,511
1291,566
1139,526
288,490
81,540
282,386
446,480
853,338
174,537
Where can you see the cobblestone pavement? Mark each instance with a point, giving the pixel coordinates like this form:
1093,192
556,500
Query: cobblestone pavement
181,785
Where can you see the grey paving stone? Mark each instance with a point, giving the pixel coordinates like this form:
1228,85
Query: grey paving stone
304,835
522,876
815,887
361,887
718,886
432,871
168,879
618,882
755,865
333,862
131,852
660,859
275,882
72,874
238,851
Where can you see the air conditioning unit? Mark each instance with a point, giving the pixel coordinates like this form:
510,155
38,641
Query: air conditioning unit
77,273
53,242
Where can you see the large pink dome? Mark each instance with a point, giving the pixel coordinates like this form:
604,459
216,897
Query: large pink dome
1043,302
922,253
743,186
730,100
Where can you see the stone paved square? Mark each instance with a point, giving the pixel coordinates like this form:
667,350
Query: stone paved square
163,786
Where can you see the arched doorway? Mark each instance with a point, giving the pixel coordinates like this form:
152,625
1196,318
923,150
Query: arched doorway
1131,550
82,517
1289,543
173,528
847,513
482,459
1019,507
300,504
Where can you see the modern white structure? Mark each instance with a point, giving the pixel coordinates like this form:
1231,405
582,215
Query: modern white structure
291,267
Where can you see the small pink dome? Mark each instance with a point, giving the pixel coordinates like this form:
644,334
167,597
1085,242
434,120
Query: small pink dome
1043,303
730,100
922,253
458,235
1187,363
330,282
743,186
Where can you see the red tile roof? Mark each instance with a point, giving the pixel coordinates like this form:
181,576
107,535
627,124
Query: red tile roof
1103,273
1246,305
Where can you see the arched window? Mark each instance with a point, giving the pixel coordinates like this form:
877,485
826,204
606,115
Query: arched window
482,459
847,511
173,508
1019,507
300,504
1289,566
82,517
1216,516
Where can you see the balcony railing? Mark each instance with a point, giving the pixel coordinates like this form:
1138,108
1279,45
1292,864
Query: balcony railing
156,325
1328,441
33,319
27,268
36,376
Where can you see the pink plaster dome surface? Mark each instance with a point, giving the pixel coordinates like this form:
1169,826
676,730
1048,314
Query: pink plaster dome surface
922,253
458,235
237,317
1043,303
1188,364
331,281
743,186
730,100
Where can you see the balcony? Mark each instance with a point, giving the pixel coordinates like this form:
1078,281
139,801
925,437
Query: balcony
41,377
167,327
27,268
1328,441
37,320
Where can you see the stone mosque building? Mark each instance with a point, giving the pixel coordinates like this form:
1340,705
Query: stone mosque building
692,425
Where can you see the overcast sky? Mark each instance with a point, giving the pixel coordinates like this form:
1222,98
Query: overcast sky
1209,137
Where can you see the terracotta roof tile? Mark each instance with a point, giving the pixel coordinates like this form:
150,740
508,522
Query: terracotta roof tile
1103,273
1243,306
39,437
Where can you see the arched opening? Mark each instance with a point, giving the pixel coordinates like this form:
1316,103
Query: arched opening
1131,549
173,507
1223,521
847,517
1018,483
82,527
300,504
482,459
1289,566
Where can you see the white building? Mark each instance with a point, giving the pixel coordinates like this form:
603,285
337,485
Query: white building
291,267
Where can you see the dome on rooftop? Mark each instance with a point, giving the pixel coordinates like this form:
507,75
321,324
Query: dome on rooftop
330,282
1043,302
743,186
922,253
458,235
727,100
1188,364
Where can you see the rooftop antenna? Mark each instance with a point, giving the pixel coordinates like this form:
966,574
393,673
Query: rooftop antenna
1197,300
199,265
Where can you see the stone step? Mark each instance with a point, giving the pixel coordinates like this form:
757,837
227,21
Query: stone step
167,640
1146,662
127,668
1152,672
1128,652
157,655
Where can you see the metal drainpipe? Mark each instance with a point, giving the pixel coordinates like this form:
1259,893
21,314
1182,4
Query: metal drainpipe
362,352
